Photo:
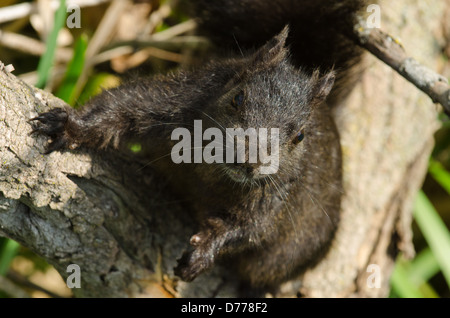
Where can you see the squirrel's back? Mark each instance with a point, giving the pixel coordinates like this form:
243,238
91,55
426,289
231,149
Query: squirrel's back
318,31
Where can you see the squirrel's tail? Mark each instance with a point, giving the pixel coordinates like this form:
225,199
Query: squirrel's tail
317,37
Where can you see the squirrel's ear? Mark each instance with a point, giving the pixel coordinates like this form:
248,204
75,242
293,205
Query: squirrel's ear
322,86
272,53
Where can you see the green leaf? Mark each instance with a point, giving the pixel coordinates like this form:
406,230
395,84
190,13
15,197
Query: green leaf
439,174
66,90
7,254
46,61
435,232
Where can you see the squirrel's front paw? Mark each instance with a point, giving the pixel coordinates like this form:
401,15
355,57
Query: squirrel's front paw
196,262
192,264
52,124
207,245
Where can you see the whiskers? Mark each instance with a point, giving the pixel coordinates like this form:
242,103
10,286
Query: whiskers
237,44
164,156
312,196
284,196
221,127
240,178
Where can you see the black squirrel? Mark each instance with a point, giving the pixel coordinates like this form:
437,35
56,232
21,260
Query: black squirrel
268,226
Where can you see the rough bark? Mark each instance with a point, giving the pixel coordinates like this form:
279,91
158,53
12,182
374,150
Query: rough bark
113,219
386,128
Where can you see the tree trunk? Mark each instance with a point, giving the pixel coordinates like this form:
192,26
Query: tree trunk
114,219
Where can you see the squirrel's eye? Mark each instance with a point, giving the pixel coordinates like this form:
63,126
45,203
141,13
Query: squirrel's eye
298,138
238,100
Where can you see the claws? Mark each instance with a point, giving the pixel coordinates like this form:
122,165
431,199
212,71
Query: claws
57,144
199,260
54,115
192,264
206,246
52,124
196,240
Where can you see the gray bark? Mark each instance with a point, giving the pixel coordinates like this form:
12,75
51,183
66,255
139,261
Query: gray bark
114,220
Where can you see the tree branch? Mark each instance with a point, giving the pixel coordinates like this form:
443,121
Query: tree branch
86,209
390,51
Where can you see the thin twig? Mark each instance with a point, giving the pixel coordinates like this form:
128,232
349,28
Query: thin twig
21,10
391,52
31,46
174,31
12,289
158,16
21,280
175,43
46,18
101,36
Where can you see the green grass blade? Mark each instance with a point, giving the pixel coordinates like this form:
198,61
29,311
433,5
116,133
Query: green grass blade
424,266
435,232
428,291
401,283
46,61
66,90
408,282
7,254
438,172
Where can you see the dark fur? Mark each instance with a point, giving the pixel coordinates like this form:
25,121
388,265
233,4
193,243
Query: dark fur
320,36
270,228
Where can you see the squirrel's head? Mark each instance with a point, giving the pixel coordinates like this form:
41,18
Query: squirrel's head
271,101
